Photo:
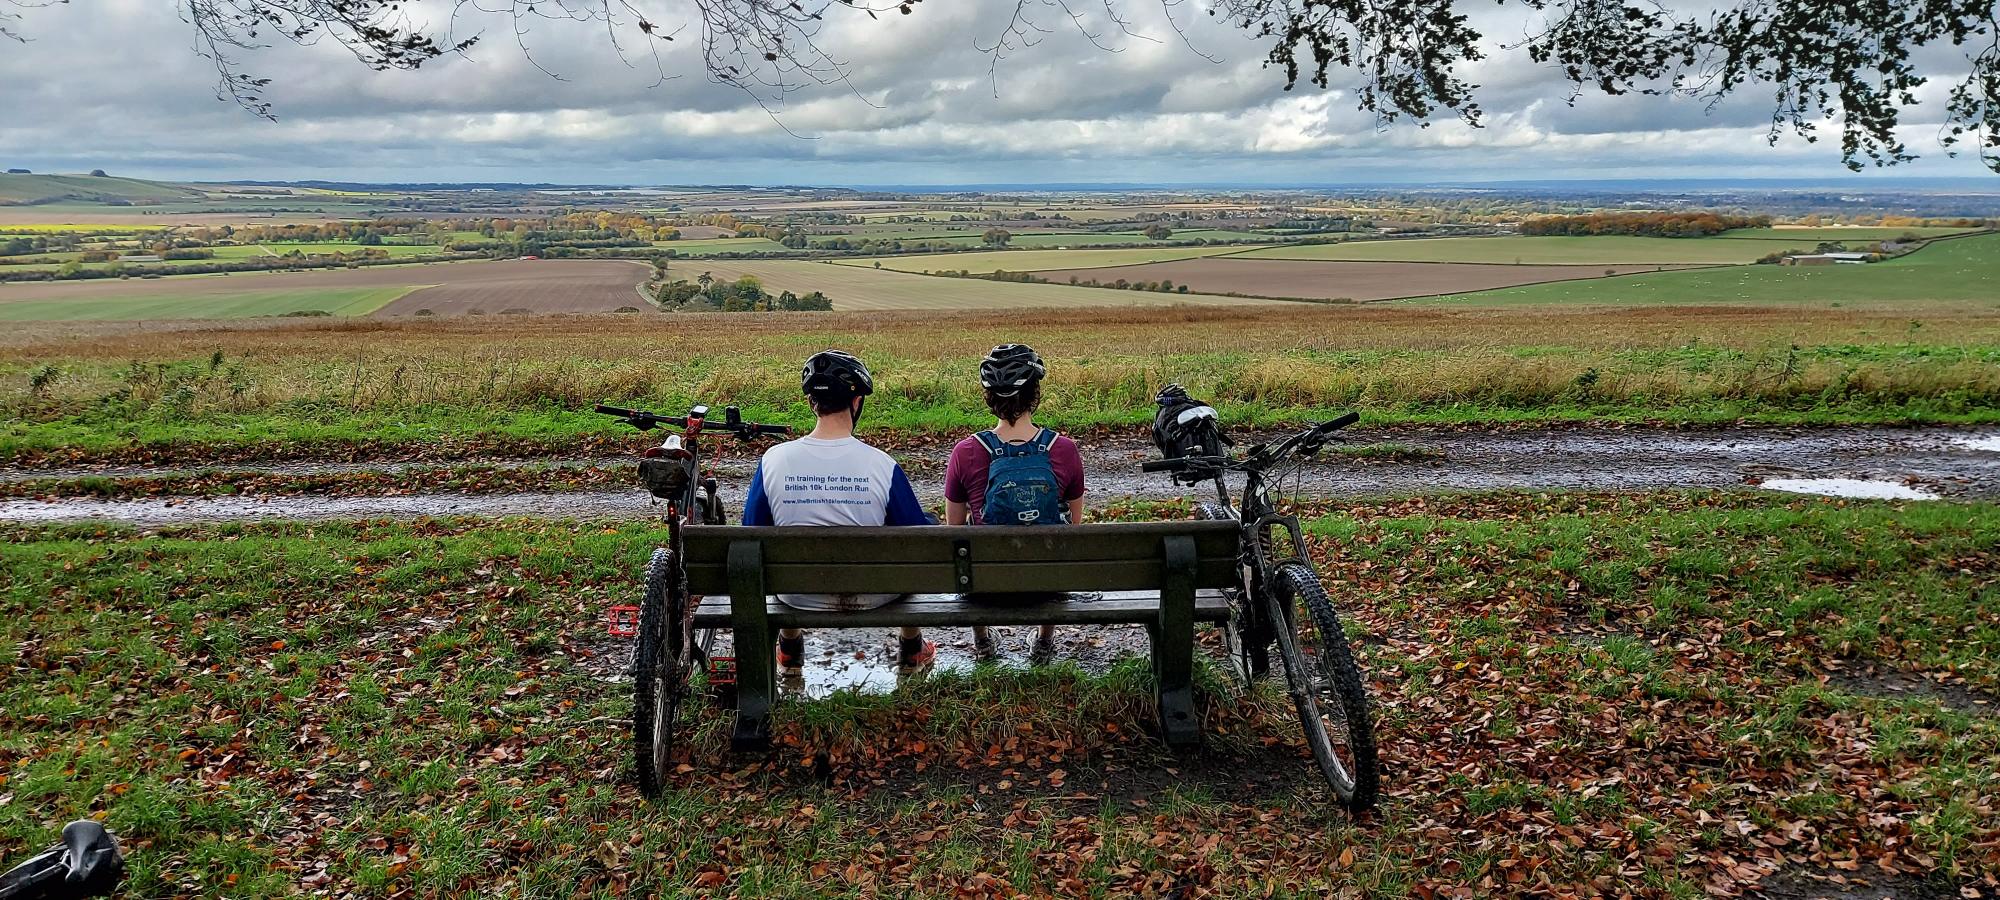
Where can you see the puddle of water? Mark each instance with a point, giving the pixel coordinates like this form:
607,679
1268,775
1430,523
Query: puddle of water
1987,442
1848,487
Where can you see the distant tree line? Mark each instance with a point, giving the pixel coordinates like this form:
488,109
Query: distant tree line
746,294
1654,224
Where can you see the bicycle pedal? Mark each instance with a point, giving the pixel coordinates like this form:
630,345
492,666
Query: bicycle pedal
722,680
622,621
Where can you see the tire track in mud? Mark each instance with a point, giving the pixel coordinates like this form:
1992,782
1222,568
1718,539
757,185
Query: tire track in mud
1944,462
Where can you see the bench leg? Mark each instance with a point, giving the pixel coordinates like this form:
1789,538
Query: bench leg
1173,647
756,660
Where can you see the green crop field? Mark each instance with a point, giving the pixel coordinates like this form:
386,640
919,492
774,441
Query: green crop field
711,246
1590,251
1836,233
865,287
1959,271
358,301
981,262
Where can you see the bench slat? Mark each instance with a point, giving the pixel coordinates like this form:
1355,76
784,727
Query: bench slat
1114,608
1120,556
903,578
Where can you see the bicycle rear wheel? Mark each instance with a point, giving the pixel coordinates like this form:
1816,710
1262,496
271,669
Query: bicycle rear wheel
1326,685
663,665
1246,638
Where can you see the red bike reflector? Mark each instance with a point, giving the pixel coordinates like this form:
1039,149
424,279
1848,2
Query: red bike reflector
622,621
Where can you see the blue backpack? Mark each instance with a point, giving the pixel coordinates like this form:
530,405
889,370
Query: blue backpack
1021,486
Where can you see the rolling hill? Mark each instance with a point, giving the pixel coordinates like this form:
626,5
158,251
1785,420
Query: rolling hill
24,190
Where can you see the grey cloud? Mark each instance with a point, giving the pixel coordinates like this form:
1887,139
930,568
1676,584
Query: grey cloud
115,84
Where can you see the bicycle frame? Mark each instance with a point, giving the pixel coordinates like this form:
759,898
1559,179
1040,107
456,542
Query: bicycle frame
1260,520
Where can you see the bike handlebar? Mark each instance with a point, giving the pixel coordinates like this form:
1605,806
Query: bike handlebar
732,422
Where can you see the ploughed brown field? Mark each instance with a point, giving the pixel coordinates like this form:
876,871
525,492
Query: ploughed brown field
1329,280
457,288
534,285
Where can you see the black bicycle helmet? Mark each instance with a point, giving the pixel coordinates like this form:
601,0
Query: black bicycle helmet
1010,368
836,376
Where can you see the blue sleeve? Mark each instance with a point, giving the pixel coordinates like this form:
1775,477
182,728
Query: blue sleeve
757,506
903,506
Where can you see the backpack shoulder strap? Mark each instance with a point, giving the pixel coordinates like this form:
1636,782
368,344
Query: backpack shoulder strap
991,442
1044,440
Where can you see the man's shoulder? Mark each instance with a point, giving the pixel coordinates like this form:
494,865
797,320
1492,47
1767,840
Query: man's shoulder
873,453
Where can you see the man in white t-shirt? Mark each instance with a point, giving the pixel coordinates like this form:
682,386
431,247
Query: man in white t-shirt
829,477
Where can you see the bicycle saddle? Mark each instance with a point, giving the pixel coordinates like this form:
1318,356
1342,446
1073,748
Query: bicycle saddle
91,855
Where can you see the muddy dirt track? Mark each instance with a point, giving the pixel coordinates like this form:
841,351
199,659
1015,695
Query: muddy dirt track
1329,280
1945,463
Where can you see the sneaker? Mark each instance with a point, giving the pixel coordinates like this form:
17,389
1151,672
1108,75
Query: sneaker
792,657
983,649
914,655
1044,651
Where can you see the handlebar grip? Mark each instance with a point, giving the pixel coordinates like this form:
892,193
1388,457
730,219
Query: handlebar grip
1163,465
780,430
1340,423
614,411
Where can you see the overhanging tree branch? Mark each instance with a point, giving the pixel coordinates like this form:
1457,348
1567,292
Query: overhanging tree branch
1849,63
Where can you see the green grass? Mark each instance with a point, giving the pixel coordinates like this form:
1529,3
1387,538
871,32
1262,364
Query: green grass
1960,270
338,301
423,708
1856,234
981,262
41,188
1593,251
712,246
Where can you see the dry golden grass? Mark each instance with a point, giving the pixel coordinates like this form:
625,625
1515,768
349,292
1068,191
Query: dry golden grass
1105,362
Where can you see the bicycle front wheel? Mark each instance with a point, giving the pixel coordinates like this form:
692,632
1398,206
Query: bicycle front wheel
1326,685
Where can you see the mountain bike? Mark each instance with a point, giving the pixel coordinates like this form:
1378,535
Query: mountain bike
1282,601
670,647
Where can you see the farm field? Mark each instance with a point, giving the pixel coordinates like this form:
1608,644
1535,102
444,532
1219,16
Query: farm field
1056,239
1837,233
338,301
1586,251
1955,271
985,262
705,247
491,286
868,288
252,251
90,217
1329,280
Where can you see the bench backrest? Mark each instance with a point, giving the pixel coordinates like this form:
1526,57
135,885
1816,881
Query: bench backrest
945,559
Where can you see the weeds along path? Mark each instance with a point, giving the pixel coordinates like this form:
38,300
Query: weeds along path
1950,463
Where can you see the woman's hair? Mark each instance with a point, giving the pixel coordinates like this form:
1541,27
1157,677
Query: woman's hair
1010,409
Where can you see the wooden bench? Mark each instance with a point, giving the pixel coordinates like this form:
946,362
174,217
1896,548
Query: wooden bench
1164,575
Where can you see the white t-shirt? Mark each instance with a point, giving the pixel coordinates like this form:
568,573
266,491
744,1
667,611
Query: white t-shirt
842,482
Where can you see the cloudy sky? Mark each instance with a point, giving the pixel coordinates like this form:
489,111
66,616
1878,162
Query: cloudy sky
115,84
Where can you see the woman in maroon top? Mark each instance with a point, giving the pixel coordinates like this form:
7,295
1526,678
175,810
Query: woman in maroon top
1012,376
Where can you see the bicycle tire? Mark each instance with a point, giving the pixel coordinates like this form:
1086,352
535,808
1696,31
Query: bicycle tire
660,672
1324,682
